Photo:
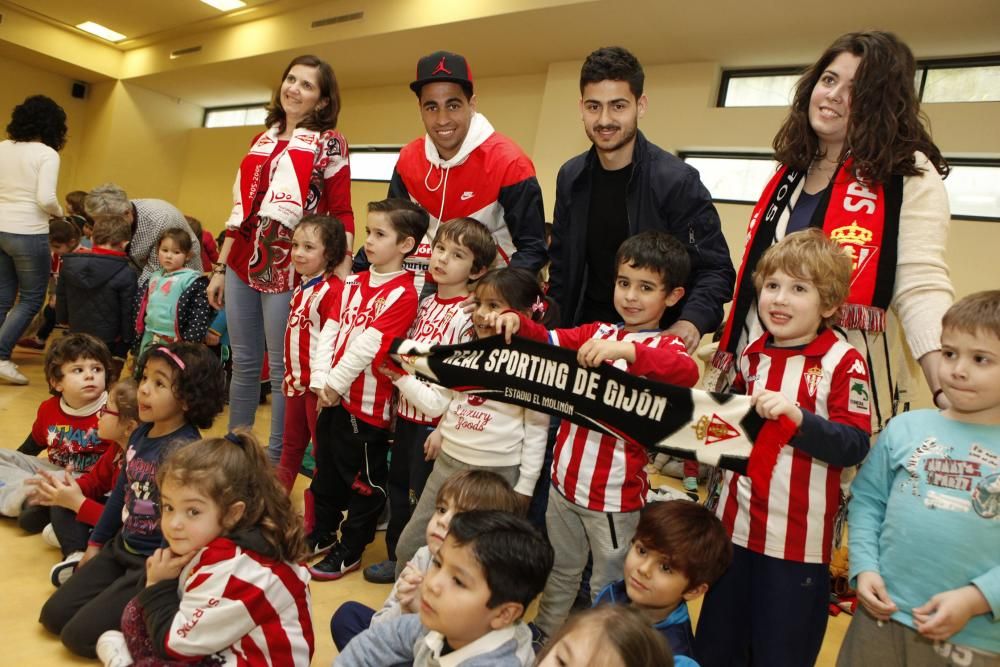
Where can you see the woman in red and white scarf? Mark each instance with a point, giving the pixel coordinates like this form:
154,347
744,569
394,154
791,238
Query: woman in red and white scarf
298,166
856,161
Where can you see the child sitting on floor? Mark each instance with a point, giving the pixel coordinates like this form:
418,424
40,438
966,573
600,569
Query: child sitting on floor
481,580
463,492
65,427
75,504
679,550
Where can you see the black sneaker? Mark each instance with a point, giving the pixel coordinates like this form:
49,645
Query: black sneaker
320,543
336,564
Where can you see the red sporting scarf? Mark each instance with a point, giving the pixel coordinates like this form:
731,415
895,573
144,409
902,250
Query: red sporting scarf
281,206
861,216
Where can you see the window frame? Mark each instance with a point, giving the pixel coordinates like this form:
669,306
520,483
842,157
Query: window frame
373,149
728,155
957,161
739,73
923,67
230,107
974,162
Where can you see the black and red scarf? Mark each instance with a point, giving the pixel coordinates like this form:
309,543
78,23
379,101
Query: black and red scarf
862,216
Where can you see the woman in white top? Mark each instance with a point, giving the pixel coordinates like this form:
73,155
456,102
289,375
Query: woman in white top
29,171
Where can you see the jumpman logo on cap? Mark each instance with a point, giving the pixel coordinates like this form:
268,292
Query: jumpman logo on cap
441,68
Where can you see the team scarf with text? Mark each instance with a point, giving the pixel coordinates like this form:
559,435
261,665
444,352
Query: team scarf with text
716,429
861,216
281,207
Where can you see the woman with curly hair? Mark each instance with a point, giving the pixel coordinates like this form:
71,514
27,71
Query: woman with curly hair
296,167
857,162
29,171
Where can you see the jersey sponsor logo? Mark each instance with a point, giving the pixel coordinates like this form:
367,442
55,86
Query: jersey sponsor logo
467,195
859,398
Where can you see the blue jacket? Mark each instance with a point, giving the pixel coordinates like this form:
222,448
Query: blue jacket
664,194
675,628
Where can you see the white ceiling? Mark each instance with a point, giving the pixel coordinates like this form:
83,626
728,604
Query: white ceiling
735,33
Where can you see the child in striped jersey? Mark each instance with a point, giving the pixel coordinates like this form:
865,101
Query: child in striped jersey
776,592
352,433
462,251
600,481
228,589
474,432
318,246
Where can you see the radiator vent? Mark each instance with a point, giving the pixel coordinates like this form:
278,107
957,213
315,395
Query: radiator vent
185,52
343,18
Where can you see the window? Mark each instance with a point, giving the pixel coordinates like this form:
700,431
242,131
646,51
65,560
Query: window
951,80
974,80
253,114
733,177
974,189
373,163
758,88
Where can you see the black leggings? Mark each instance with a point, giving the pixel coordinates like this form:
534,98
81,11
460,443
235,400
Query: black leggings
91,602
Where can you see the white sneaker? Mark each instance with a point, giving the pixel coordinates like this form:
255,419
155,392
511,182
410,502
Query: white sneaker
64,569
10,374
112,651
49,535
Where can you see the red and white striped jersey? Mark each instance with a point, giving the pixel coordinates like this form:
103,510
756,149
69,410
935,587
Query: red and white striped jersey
597,471
375,309
829,378
242,607
313,303
439,321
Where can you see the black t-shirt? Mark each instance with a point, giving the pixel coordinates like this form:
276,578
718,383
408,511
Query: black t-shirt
607,228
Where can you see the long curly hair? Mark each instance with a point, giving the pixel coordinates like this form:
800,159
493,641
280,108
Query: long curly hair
235,469
885,125
38,118
322,118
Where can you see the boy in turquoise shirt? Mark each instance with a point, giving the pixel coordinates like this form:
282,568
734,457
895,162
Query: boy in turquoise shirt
925,514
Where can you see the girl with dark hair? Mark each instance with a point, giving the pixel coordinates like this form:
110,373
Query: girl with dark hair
296,167
226,519
29,171
179,393
858,164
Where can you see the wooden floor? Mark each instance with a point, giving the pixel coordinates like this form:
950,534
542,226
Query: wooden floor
25,560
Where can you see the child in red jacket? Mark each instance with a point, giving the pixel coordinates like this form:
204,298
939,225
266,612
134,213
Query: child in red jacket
76,503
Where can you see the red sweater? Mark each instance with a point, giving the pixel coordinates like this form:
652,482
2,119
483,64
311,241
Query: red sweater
97,483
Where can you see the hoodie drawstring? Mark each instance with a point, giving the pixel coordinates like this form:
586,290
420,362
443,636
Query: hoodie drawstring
443,184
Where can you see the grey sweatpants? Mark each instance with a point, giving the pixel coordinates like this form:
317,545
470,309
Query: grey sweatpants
414,535
16,467
892,644
575,532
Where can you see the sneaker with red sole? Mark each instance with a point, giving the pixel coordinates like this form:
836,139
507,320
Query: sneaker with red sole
335,565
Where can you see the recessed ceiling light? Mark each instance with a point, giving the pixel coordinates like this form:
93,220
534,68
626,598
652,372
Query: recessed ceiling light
225,5
100,31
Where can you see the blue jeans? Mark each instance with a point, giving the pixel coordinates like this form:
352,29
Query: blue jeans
256,321
25,262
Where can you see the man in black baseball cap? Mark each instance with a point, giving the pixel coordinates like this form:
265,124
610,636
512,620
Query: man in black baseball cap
443,66
460,168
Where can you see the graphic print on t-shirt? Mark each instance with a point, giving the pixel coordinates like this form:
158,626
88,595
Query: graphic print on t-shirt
954,483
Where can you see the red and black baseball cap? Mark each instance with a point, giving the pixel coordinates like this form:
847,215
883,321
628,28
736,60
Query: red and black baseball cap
443,66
